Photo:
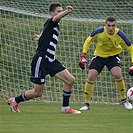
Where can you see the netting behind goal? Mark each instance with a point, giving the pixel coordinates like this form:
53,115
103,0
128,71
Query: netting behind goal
21,19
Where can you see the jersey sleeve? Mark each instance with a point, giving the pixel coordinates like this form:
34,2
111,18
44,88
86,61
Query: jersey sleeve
91,38
87,43
50,24
130,50
126,43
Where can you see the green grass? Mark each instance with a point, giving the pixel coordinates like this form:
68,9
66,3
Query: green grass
36,117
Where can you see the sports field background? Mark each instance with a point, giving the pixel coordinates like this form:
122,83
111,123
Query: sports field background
38,117
18,48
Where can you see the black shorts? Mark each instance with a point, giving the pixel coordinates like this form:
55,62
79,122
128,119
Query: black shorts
40,67
98,63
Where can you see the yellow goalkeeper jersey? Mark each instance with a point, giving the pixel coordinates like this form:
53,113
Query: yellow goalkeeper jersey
108,45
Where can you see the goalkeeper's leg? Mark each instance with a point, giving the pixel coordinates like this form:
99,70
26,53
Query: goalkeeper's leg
89,88
120,84
122,91
121,88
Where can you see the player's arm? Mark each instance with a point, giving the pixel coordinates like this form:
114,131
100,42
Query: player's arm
63,14
87,44
127,44
94,35
36,37
130,49
83,61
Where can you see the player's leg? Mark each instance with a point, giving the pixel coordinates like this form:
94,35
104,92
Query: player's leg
38,78
96,67
120,84
59,71
115,69
68,80
89,88
30,94
36,92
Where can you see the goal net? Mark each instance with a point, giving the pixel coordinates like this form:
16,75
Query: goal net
21,19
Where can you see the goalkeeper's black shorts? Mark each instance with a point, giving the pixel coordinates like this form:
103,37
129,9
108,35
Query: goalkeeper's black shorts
98,63
40,67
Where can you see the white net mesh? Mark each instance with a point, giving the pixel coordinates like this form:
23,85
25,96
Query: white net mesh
21,19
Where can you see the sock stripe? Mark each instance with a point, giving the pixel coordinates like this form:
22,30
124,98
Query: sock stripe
24,98
119,80
66,93
90,82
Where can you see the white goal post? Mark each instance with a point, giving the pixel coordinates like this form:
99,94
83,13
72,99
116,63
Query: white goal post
21,19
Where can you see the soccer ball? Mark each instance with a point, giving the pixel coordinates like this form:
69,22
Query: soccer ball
130,94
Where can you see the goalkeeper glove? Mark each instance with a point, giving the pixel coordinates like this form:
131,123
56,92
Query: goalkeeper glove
131,70
83,62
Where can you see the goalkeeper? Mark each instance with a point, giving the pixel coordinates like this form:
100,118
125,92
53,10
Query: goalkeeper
44,62
109,42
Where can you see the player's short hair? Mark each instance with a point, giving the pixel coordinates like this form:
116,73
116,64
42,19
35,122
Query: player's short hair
110,19
53,6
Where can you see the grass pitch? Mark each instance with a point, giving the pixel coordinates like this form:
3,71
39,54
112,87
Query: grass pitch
36,117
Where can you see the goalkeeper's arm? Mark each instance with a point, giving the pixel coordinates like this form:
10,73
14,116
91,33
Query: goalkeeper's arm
130,49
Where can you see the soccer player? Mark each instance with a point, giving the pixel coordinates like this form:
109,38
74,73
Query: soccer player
109,41
44,62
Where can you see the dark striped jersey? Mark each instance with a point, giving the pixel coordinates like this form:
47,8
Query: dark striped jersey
48,40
